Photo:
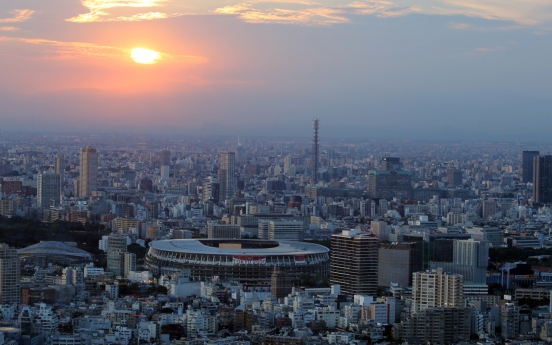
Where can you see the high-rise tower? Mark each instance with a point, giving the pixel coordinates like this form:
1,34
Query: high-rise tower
9,275
315,150
59,167
542,179
88,181
48,189
227,175
354,262
527,165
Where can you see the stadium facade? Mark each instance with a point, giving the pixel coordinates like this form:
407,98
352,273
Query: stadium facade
237,259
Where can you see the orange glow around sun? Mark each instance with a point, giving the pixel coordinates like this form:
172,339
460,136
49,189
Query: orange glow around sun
145,56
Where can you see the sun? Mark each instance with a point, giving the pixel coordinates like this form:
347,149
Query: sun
145,56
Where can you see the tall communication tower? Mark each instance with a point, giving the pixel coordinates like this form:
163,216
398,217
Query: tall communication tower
315,150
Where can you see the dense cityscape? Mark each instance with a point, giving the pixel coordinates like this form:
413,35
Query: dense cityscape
129,239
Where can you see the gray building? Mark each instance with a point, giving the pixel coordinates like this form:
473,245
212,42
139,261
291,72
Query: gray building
48,190
397,262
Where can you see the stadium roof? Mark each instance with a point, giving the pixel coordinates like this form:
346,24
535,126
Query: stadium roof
54,248
198,246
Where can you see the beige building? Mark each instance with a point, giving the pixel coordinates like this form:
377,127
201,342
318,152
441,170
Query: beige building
436,288
6,208
88,180
124,224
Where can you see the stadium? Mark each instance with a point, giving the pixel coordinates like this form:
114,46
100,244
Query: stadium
42,253
237,259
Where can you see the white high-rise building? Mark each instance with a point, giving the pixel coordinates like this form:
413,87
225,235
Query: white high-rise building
436,288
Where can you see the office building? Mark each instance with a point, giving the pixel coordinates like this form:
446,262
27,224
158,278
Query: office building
129,264
291,230
542,179
116,249
381,229
227,175
88,180
59,167
397,262
216,230
391,163
164,158
470,259
9,275
390,184
509,316
280,283
435,288
354,262
454,177
13,186
210,189
48,190
489,208
527,166
436,326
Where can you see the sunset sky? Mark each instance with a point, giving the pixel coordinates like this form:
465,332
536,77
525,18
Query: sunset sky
435,69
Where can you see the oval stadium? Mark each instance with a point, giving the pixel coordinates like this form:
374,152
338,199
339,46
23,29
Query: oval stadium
237,259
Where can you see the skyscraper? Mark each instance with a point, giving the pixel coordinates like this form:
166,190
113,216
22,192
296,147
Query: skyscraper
59,167
354,262
454,177
542,179
88,180
48,189
116,250
164,158
391,163
527,165
9,275
390,184
315,147
227,175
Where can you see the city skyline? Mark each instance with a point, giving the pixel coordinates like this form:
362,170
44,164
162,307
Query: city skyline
368,69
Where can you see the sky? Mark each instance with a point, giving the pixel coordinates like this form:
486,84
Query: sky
431,70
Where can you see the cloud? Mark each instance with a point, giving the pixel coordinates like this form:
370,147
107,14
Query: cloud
75,50
521,12
18,16
8,28
381,8
311,13
97,10
145,16
308,16
489,49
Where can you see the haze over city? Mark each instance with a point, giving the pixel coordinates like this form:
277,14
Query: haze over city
368,69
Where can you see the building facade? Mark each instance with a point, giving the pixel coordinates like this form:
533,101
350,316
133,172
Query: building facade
88,180
9,275
354,262
48,190
435,288
527,166
227,175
